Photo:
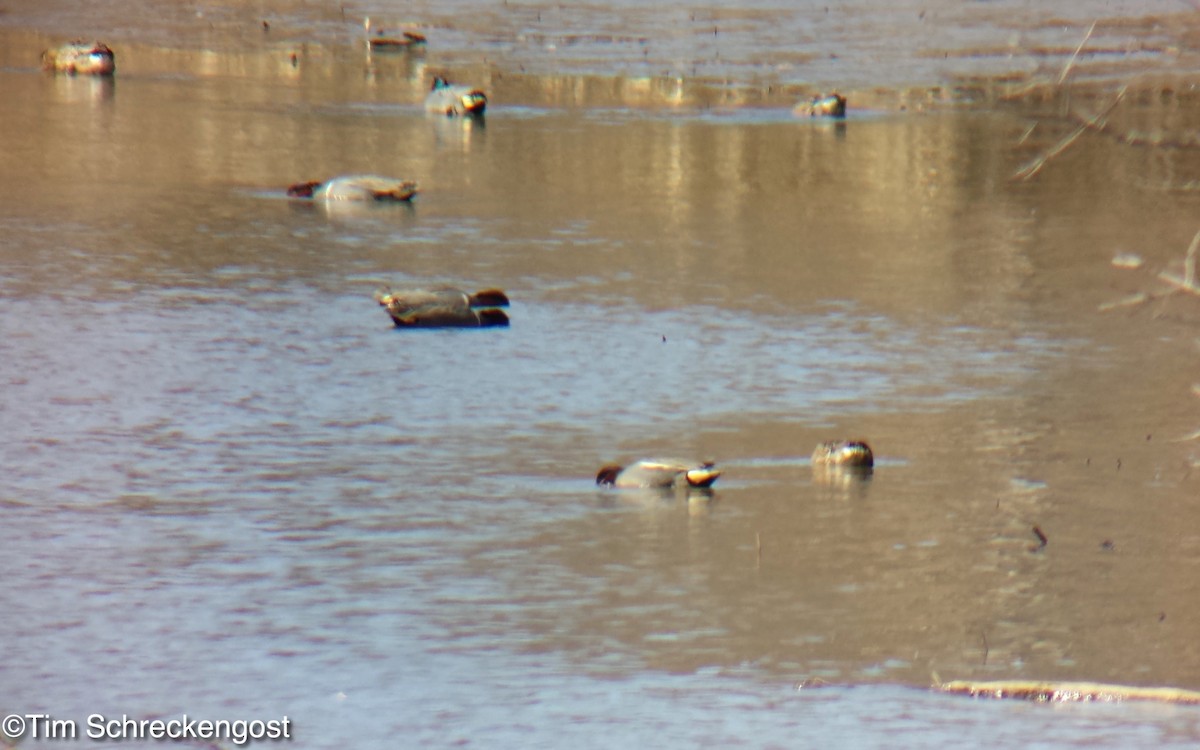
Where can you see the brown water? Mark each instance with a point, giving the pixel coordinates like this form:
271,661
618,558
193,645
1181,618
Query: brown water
231,489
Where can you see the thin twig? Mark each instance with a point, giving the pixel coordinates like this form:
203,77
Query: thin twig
1138,298
1071,61
1187,282
1189,261
1181,284
1042,539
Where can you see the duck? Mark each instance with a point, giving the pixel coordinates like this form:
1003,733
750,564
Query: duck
847,453
356,188
450,99
380,43
824,105
659,472
445,307
82,57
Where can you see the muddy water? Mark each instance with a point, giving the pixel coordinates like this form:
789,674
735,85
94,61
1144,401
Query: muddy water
231,489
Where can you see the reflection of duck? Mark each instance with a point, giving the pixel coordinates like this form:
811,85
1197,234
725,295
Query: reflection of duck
92,89
445,307
87,58
356,188
451,99
824,105
659,472
843,453
381,43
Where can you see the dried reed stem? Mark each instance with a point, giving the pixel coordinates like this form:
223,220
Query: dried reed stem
1187,282
1070,62
1189,261
1035,166
1137,298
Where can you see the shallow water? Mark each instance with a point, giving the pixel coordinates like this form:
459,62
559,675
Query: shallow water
231,489
746,46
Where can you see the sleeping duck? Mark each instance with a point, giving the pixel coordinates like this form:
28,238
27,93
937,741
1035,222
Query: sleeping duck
445,307
659,472
450,99
843,453
825,105
356,188
85,58
381,43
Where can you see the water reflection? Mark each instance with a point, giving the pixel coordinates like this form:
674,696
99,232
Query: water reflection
457,132
851,479
354,211
219,425
697,500
89,89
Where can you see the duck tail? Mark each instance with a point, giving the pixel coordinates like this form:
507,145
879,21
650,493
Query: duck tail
302,189
403,191
607,477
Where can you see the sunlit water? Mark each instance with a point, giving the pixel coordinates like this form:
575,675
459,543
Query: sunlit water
231,489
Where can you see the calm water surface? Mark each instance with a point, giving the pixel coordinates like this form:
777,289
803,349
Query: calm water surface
231,489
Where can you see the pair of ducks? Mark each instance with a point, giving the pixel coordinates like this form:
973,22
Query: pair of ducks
444,98
419,308
449,307
96,58
677,473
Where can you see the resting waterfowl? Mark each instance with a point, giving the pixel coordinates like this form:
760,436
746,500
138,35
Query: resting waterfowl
843,453
824,105
356,188
659,472
381,43
86,58
451,99
445,307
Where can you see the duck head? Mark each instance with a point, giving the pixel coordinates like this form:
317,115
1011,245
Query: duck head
703,475
829,105
469,101
489,298
843,453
